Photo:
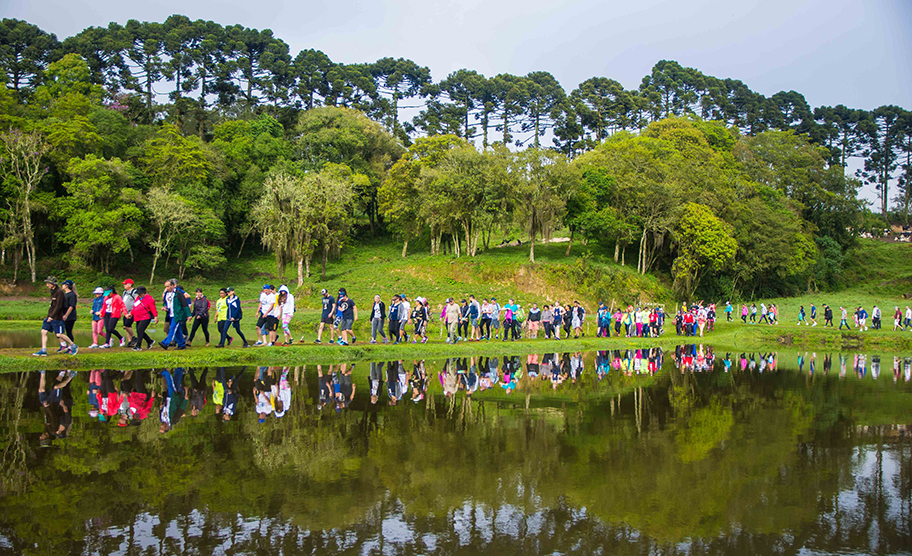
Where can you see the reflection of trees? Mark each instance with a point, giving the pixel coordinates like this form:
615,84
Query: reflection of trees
15,474
695,464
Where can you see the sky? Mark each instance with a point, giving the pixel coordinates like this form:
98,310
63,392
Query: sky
832,51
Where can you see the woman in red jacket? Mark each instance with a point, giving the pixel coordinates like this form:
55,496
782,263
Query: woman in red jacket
111,310
144,313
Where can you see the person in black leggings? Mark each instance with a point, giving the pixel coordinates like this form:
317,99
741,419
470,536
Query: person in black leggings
110,322
200,315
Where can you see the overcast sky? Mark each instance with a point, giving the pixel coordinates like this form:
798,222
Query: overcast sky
832,51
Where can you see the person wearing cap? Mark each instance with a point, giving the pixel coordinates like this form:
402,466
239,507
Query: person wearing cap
144,313
267,304
328,303
420,317
378,316
54,320
395,305
349,316
405,317
234,315
97,322
129,298
495,318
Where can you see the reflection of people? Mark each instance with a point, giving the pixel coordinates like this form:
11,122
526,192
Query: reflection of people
197,392
262,393
57,402
325,386
375,380
174,401
346,392
139,400
282,394
230,388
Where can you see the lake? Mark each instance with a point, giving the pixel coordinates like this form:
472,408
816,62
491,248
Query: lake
682,451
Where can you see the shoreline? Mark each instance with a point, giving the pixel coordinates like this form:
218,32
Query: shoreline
732,337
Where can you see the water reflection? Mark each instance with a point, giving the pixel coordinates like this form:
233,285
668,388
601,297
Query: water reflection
621,451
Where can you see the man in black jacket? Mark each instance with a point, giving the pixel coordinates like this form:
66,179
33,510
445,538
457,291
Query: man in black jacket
54,321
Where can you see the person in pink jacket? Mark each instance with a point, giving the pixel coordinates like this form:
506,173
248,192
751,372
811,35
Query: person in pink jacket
144,313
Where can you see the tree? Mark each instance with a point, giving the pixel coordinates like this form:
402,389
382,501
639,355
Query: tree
510,96
311,71
344,136
101,212
545,98
904,183
544,182
399,79
704,243
296,214
25,50
400,195
881,135
23,171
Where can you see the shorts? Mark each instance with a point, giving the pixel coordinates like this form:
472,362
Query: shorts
346,324
53,396
127,322
272,323
327,319
261,322
55,326
474,322
495,323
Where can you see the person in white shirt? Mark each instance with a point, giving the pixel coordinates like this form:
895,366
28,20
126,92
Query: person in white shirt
267,304
405,316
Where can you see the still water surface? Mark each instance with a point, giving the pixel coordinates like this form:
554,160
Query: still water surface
631,452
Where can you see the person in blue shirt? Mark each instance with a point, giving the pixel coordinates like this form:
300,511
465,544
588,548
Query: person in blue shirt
235,314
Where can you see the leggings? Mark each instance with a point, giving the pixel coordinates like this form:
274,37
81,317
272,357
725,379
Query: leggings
204,322
97,330
68,325
463,328
549,329
485,327
227,325
141,326
110,323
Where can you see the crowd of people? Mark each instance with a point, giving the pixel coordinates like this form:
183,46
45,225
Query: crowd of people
403,320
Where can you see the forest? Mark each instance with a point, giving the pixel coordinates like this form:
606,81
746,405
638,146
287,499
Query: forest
186,142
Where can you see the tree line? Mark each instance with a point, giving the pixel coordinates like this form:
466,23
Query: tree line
96,166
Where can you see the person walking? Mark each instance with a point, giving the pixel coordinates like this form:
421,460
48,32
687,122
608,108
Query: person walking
69,315
827,315
221,318
179,310
113,309
288,311
844,321
378,317
234,315
200,316
452,321
129,298
349,316
54,320
144,313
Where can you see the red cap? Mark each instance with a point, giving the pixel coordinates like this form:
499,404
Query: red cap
128,281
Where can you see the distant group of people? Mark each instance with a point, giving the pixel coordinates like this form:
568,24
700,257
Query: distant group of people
902,320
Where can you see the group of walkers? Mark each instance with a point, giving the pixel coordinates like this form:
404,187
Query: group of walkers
403,320
902,320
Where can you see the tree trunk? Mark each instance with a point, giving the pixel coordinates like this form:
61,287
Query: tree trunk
307,259
154,262
570,244
532,249
404,249
617,250
300,271
325,255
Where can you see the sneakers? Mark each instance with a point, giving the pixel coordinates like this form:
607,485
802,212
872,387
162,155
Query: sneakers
230,339
93,346
259,343
74,350
72,374
137,348
424,341
269,344
287,343
372,342
123,342
220,346
63,348
317,341
164,345
354,339
246,345
104,346
40,353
